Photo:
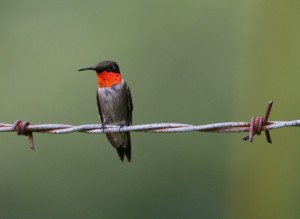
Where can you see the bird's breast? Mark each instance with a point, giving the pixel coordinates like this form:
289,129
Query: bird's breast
108,79
113,103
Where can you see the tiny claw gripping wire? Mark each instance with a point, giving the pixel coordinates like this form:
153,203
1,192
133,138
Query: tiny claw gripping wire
258,123
21,129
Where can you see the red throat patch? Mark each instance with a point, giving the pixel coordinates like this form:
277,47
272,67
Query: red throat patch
108,79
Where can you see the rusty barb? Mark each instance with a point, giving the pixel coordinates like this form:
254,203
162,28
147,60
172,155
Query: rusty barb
258,124
21,129
254,127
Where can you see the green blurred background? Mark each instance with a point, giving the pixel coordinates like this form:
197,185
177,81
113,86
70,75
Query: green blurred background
192,62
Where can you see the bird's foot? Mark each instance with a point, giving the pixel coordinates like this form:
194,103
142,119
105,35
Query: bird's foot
103,126
121,126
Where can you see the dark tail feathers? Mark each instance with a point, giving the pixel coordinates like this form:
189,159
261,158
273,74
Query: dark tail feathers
122,152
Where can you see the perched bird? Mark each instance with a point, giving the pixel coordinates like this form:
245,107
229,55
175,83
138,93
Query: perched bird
114,104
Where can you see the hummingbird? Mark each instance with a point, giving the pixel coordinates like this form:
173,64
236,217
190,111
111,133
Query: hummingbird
114,104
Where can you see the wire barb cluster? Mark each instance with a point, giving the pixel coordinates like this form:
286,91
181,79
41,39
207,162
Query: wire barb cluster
21,129
254,127
257,123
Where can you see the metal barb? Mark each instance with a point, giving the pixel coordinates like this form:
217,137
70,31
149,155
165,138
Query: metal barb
21,129
258,124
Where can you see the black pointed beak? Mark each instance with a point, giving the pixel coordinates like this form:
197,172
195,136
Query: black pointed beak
90,68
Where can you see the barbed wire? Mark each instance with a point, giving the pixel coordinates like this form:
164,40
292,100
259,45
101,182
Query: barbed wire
254,127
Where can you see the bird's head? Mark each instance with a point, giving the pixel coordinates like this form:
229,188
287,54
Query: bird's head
108,73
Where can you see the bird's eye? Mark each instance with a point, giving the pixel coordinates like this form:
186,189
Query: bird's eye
110,67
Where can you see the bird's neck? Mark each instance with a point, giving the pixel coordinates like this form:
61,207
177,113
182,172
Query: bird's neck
108,79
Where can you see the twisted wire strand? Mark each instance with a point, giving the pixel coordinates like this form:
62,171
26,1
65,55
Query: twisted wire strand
254,127
155,127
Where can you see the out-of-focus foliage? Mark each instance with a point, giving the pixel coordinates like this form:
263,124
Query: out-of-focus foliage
185,61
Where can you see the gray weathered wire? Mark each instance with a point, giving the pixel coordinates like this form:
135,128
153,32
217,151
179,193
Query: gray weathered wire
155,127
254,127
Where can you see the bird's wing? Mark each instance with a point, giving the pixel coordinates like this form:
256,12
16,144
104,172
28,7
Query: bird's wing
129,101
98,104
